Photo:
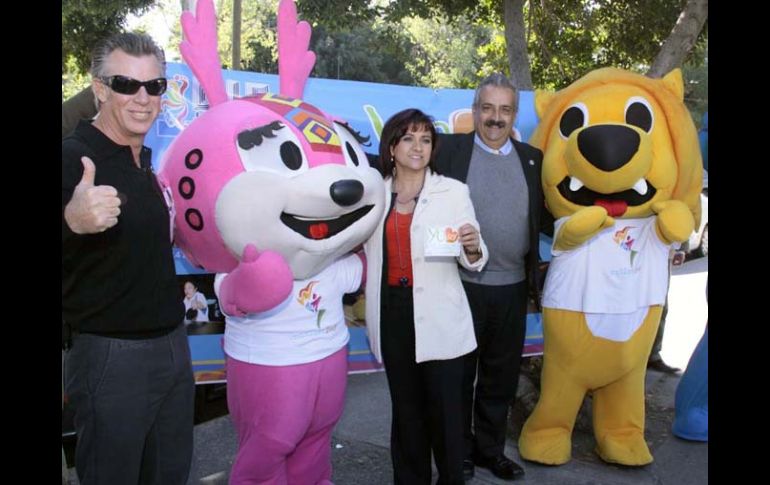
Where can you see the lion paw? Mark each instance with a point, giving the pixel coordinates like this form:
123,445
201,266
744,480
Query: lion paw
625,448
581,226
551,446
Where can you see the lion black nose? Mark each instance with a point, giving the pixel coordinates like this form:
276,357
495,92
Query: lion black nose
346,192
608,147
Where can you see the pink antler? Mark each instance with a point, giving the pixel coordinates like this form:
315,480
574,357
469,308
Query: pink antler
199,50
295,61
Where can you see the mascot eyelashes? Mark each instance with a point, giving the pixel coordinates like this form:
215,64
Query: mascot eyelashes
273,194
622,175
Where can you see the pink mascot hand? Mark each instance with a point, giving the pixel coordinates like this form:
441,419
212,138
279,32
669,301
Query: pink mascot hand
260,282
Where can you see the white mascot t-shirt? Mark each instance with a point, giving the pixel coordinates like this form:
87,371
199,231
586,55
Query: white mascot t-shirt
613,277
308,326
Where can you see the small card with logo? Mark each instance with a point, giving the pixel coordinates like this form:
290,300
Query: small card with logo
442,241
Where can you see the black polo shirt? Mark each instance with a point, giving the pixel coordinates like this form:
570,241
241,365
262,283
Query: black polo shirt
121,282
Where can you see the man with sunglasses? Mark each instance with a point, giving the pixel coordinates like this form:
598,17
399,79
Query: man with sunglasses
128,371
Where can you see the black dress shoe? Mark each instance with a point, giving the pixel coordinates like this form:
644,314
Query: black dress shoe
501,467
661,366
468,469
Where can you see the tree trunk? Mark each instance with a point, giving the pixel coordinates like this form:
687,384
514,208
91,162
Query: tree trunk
236,34
682,38
516,43
79,107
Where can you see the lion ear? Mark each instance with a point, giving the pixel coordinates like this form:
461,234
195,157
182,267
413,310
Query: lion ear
673,82
543,99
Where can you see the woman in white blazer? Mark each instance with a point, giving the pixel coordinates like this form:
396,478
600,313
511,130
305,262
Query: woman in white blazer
417,315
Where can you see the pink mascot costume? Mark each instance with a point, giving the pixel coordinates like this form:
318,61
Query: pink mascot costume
273,195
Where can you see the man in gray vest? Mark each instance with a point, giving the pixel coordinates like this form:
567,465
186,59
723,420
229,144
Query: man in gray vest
503,176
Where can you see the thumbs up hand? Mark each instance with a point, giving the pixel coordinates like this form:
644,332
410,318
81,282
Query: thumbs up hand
93,208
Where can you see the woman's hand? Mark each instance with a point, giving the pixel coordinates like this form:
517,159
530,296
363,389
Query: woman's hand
469,238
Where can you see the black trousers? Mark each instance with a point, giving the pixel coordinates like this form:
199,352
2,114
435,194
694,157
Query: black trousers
133,402
426,400
499,320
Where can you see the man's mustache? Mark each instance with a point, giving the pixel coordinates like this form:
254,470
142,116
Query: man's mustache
491,123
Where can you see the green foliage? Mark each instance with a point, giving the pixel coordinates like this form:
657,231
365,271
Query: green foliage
86,22
569,38
261,55
435,43
368,53
472,10
433,52
406,42
696,78
258,35
162,22
444,53
72,80
373,51
493,55
566,38
339,15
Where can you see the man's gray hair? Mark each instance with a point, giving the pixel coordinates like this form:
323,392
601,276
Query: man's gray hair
132,43
497,80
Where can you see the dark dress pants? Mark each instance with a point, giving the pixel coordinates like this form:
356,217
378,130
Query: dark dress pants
499,320
133,402
426,400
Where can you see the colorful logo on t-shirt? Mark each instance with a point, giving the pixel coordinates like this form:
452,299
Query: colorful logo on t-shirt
311,301
623,239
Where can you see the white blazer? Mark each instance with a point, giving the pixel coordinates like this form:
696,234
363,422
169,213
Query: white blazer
443,326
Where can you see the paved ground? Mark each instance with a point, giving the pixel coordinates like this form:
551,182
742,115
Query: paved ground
360,454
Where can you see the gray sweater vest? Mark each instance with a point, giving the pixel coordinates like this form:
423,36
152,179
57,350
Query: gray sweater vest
500,198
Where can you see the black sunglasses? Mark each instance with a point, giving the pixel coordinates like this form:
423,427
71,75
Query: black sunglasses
127,85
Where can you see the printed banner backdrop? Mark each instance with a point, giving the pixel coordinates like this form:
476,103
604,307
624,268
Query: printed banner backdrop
365,106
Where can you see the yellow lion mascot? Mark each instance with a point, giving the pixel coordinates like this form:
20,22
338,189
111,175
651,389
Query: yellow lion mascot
622,176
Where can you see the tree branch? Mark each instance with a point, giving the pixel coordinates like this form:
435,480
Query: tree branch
682,38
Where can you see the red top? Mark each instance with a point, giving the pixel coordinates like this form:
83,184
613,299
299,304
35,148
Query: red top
399,248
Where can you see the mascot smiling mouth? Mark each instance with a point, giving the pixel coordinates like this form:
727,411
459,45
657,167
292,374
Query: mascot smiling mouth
616,203
323,228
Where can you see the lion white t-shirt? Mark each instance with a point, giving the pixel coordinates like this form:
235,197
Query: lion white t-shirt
613,278
308,326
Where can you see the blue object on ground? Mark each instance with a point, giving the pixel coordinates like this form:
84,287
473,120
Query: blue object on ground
691,415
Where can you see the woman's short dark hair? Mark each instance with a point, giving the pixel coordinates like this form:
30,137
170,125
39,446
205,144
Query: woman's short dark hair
396,127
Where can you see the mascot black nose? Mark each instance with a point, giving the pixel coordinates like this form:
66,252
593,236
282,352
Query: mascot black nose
608,147
346,192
